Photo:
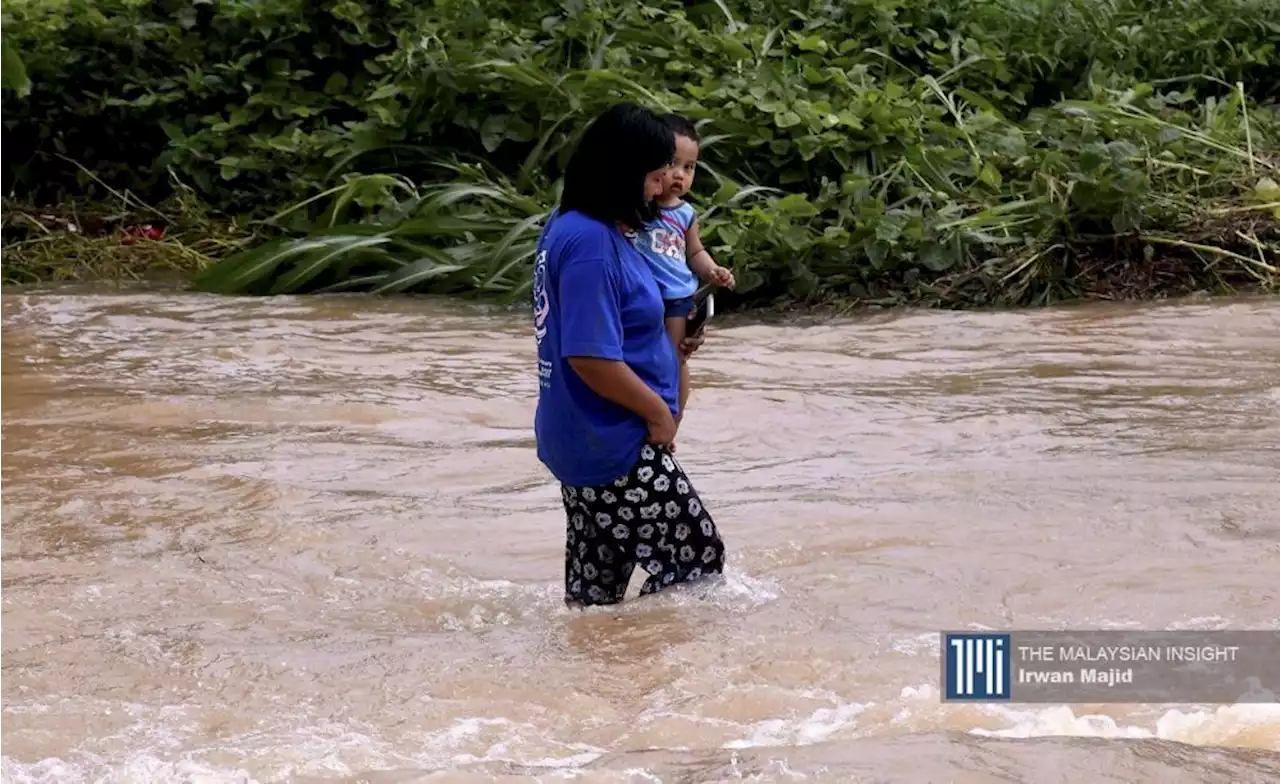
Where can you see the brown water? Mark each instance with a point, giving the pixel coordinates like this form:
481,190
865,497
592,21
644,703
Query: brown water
308,539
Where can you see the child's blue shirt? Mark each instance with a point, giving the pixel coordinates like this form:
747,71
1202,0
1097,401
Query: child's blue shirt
662,244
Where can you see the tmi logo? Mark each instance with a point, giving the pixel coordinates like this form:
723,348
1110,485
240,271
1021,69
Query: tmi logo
976,666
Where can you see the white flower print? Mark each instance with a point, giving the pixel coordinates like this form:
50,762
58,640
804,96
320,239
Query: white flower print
645,473
645,531
709,554
588,494
620,481
582,549
596,594
625,513
578,521
673,509
695,573
708,529
651,511
668,463
620,531
695,506
608,497
668,578
636,494
686,553
682,531
643,551
654,567
575,587
662,483
682,486
647,453
605,553
663,528
589,571
603,519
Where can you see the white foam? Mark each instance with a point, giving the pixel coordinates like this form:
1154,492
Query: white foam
325,749
477,604
138,769
815,728
741,591
1060,720
162,743
441,746
1243,724
1196,727
916,646
1201,623
345,749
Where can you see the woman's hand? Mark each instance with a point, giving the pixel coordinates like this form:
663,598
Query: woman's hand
692,343
663,431
614,380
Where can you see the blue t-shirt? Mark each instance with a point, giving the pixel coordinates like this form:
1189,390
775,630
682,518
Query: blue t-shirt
663,245
594,296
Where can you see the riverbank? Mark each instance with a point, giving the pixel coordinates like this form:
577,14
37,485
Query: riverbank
184,244
942,153
1122,199
107,241
1233,254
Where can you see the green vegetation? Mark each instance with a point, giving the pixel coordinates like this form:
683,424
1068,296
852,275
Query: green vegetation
947,152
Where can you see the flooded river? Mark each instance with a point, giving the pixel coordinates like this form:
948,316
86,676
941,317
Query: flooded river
308,540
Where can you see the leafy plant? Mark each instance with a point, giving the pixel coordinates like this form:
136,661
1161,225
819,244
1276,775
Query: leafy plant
947,151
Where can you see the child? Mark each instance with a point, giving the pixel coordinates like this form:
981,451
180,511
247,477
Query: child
673,248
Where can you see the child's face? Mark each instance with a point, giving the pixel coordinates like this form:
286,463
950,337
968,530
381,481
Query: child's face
683,167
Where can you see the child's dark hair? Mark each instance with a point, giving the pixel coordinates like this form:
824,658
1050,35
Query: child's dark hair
681,126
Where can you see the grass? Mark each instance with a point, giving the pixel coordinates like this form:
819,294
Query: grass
878,152
1108,199
105,239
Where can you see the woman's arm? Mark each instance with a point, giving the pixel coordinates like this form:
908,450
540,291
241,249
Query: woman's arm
617,382
591,341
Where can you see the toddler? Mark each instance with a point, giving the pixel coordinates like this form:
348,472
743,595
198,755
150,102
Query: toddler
672,246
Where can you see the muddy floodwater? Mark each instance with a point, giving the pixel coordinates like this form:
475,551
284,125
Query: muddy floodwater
307,539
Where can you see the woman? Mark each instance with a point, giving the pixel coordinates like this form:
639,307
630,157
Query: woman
609,378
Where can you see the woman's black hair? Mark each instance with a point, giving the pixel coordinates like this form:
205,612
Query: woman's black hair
681,126
605,176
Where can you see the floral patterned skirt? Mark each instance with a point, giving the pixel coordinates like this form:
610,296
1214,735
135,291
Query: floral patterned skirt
652,517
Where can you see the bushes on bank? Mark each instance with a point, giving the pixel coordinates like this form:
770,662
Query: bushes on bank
971,151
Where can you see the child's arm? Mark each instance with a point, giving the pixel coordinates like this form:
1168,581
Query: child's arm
700,260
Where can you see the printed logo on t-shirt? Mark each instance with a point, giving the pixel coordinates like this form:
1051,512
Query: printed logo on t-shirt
541,310
541,302
666,242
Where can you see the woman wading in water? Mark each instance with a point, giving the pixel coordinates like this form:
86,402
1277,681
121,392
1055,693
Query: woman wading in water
609,376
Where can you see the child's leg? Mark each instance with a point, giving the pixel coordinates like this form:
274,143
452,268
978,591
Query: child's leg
677,321
676,329
684,386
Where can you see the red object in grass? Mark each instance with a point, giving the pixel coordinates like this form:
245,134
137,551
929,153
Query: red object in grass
144,232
